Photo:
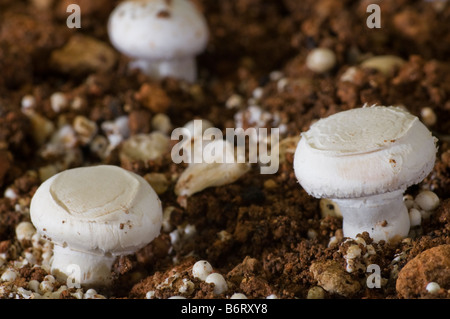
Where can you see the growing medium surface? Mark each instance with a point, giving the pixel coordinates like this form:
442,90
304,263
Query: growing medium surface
63,107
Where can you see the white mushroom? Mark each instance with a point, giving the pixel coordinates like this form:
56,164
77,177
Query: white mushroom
162,36
364,159
92,215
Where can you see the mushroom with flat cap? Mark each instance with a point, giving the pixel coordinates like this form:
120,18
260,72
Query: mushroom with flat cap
162,36
92,215
364,159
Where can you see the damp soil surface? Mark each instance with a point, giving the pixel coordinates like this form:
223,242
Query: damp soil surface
263,232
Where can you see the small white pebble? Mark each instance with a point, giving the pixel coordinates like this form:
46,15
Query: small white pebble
117,127
353,252
19,208
36,241
415,217
121,125
144,147
316,292
176,297
220,284
349,75
47,295
258,93
36,295
50,278
283,128
361,241
174,237
28,102
47,246
150,294
30,257
90,294
350,267
282,84
65,136
9,275
407,241
42,127
276,75
114,140
20,263
189,231
321,60
312,234
371,250
77,294
202,269
26,294
25,231
33,285
253,115
57,293
234,101
161,122
238,295
77,103
99,146
428,116
166,225
10,193
85,128
46,286
272,296
187,286
203,124
58,101
252,101
433,287
397,258
333,241
427,200
224,236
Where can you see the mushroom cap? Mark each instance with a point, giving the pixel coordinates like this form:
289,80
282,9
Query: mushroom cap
363,152
104,210
158,29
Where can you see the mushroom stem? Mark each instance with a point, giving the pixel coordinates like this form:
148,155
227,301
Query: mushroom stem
81,268
384,216
182,68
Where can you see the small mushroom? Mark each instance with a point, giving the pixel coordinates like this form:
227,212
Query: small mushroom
92,215
163,37
364,159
